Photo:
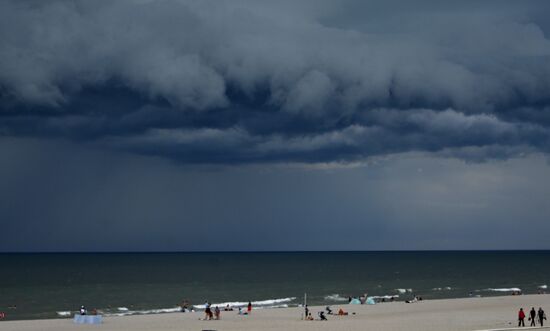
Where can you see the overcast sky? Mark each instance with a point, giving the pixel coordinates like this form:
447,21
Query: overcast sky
274,125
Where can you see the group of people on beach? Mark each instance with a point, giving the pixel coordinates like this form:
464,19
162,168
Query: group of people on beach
415,298
322,317
533,316
209,315
216,314
84,311
309,317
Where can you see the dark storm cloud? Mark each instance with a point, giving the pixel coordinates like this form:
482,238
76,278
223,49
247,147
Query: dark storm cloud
249,81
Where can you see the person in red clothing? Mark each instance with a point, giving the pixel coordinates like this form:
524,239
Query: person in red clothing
249,308
521,317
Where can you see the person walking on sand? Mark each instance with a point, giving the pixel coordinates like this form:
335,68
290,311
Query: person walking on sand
521,318
249,308
532,316
217,313
541,316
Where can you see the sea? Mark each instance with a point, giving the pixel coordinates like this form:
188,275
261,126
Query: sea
52,285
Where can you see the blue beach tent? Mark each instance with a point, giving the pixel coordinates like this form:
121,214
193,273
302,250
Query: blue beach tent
87,319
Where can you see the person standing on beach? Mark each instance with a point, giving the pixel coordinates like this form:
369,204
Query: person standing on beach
249,308
532,316
207,311
521,318
541,316
184,306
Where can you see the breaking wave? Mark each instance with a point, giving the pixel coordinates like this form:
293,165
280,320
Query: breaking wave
511,289
446,288
271,303
129,312
124,311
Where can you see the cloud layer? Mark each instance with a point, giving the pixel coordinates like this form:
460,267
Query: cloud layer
247,82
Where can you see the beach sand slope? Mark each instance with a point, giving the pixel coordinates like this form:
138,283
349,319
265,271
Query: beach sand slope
449,314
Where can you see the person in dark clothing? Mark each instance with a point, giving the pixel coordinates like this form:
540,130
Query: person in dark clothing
532,316
322,316
329,311
521,317
541,316
207,311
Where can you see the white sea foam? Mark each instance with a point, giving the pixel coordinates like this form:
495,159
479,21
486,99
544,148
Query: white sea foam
271,303
64,313
263,304
404,290
274,306
544,287
512,289
335,297
128,312
446,288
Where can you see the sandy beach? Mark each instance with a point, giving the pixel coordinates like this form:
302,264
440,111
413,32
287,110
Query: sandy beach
450,314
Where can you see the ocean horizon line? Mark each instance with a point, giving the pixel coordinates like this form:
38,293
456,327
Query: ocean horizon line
279,251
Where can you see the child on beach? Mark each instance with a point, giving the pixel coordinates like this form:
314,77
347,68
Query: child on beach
217,313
